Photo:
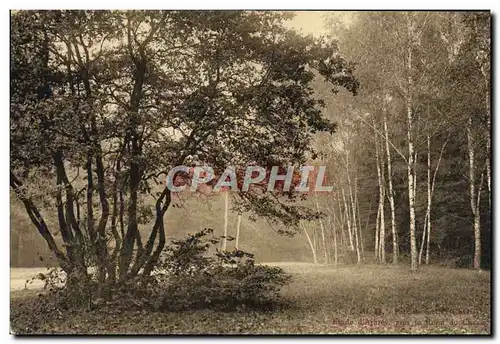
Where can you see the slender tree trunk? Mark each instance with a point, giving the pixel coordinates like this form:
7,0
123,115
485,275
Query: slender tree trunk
395,246
382,213
472,190
238,225
348,219
315,259
361,238
377,233
424,232
488,87
325,253
353,210
429,200
335,252
358,254
429,197
477,227
427,250
427,225
226,213
410,165
381,187
488,149
313,236
369,216
341,219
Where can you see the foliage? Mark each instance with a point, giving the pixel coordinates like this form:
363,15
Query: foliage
105,103
188,278
451,81
226,280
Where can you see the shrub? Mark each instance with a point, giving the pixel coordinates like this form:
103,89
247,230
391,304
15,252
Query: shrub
187,277
225,280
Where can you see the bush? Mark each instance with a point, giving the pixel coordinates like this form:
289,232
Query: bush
225,280
187,277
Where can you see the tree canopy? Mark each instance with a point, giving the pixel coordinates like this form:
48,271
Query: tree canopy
105,103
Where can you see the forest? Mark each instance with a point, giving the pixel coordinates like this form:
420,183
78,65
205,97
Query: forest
416,143
394,105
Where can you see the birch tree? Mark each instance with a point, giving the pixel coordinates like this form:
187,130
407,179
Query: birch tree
395,246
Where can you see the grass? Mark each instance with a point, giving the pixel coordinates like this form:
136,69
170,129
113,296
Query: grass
323,300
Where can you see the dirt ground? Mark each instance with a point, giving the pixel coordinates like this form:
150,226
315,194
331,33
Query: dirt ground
22,278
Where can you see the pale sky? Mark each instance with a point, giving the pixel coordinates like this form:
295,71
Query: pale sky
309,22
313,22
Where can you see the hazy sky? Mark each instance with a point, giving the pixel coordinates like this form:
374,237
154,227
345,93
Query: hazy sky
313,22
309,22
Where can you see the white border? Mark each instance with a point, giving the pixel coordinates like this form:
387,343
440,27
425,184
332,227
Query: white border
254,4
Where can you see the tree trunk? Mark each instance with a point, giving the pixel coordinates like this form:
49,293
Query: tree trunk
348,219
37,219
369,216
423,239
472,190
377,233
361,238
382,212
488,87
325,253
226,213
429,197
315,259
353,209
427,224
335,252
477,228
380,241
238,225
488,148
134,166
410,163
358,254
395,246
341,220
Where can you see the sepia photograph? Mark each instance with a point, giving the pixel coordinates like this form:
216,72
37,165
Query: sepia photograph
250,172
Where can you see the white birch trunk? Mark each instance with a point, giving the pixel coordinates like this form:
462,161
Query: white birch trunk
341,219
238,225
472,190
315,259
361,239
335,251
477,228
410,163
353,211
380,240
395,246
325,253
348,219
226,214
429,200
427,225
423,240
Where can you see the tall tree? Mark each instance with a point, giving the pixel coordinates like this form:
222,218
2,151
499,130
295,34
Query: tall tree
126,95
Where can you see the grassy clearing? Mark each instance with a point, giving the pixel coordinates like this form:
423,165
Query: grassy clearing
323,299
